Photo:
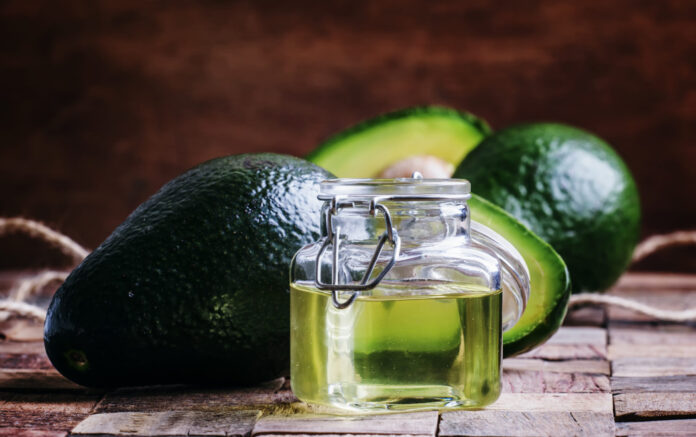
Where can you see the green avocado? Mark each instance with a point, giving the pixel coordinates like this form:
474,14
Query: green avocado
365,150
193,286
356,152
549,280
570,188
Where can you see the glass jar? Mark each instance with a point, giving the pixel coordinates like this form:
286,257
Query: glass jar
402,302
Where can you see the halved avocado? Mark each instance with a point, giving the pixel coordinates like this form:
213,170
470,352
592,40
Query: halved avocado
367,149
548,277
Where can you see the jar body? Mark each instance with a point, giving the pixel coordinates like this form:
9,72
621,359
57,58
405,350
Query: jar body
428,332
439,350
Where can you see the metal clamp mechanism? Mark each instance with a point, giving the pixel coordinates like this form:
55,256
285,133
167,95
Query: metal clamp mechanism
333,237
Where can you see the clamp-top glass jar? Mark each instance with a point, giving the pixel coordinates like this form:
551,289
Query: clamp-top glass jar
402,302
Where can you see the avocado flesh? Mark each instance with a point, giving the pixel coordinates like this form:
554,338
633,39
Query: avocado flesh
548,279
368,148
194,286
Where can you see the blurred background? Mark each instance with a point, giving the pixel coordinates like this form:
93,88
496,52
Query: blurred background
102,102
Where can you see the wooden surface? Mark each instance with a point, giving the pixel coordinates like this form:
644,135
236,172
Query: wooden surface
613,375
104,101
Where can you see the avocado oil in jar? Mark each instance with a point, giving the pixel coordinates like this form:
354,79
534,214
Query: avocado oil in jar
401,320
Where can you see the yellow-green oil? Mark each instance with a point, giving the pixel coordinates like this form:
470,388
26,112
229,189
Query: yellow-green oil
392,349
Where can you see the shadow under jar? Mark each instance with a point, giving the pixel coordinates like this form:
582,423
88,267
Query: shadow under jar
402,303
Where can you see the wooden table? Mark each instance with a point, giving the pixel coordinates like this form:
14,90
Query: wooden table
604,373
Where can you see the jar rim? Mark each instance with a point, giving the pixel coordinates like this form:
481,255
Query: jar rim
349,187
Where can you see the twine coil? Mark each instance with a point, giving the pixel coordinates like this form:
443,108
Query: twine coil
16,303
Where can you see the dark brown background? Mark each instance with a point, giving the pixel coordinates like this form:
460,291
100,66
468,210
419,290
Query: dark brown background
102,102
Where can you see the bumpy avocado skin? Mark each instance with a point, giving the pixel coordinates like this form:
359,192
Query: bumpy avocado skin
570,188
193,286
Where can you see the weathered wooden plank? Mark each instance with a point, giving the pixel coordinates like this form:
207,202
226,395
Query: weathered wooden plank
528,414
657,428
653,366
412,424
579,335
660,384
617,351
169,423
521,423
572,343
664,298
649,334
638,405
24,361
43,379
570,366
521,375
586,316
45,411
23,432
551,382
151,399
568,402
567,352
22,347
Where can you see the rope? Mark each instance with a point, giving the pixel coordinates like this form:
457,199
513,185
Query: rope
15,304
29,286
37,230
22,309
658,242
24,288
629,304
646,247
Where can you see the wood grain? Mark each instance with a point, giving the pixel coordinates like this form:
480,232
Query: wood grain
42,379
654,396
645,334
653,366
45,411
533,415
568,402
585,316
236,423
105,101
517,423
640,405
657,428
22,348
570,366
412,424
549,382
539,376
23,432
154,399
573,343
653,384
651,350
679,297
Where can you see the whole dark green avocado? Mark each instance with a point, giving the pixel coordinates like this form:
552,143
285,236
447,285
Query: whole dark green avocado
570,188
193,286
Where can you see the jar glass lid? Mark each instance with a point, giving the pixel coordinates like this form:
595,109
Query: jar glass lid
401,187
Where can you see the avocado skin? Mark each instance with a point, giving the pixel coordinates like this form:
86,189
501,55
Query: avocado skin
194,286
570,188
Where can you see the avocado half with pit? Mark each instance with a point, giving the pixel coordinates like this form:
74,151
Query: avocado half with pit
433,140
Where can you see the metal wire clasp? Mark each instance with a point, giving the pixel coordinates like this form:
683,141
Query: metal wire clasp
333,237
